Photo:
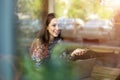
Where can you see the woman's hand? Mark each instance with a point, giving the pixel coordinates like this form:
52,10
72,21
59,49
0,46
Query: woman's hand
78,52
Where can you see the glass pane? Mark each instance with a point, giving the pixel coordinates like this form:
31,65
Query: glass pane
93,21
94,24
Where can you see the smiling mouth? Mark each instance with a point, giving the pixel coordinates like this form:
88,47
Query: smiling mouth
57,32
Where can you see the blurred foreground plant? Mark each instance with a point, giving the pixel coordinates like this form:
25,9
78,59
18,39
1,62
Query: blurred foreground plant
56,69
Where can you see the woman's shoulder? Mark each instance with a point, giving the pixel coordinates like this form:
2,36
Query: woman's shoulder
58,40
35,44
37,41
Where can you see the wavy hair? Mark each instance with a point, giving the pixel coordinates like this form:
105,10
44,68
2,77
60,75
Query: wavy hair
44,35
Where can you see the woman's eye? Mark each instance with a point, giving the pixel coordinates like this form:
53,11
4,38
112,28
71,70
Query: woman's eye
54,25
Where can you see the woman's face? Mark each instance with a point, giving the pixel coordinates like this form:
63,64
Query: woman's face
53,28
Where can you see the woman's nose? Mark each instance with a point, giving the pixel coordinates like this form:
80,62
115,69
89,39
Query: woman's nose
57,27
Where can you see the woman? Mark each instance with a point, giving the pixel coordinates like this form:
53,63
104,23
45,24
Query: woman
45,41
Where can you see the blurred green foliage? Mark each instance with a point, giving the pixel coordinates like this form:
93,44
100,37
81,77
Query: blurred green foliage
55,69
62,47
30,7
82,9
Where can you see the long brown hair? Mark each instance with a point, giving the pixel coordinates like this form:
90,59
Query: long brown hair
43,35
